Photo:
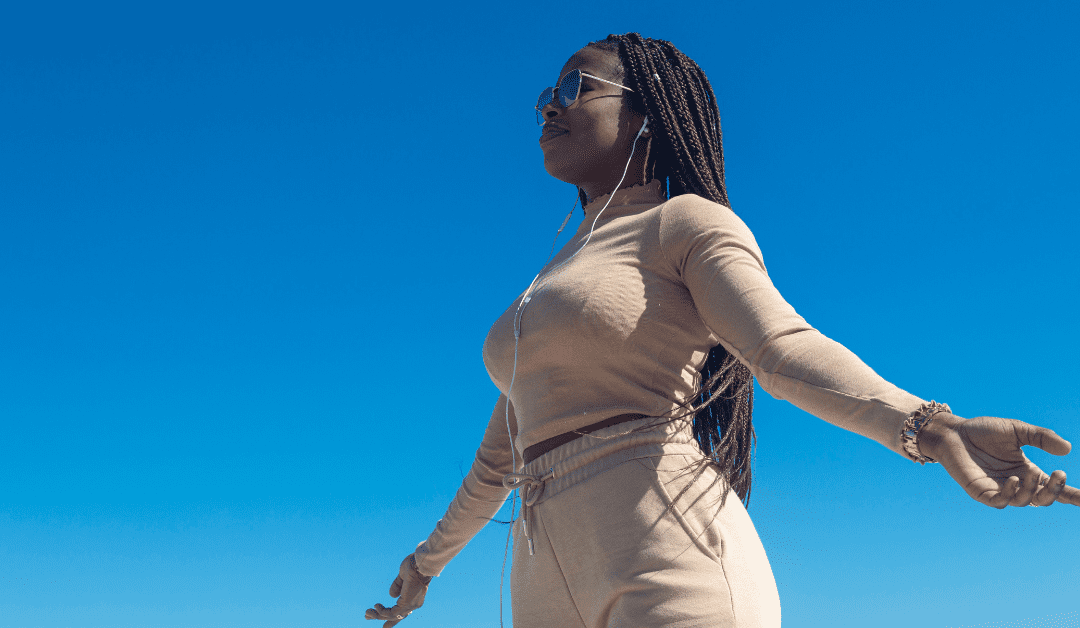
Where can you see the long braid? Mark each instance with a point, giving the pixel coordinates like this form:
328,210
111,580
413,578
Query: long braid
686,153
683,104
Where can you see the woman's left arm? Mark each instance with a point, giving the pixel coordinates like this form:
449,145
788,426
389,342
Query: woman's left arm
983,455
716,257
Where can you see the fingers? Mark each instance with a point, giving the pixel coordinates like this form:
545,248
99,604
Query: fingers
378,612
991,493
410,587
1050,490
391,615
1043,438
1069,495
1033,481
1011,492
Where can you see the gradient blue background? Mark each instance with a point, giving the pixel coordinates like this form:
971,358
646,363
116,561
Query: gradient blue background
249,253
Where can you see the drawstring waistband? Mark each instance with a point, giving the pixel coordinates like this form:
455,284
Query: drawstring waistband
531,487
581,458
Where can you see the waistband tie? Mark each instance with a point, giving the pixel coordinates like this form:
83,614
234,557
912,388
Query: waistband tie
531,488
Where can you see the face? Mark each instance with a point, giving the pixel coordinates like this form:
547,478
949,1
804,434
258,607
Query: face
588,143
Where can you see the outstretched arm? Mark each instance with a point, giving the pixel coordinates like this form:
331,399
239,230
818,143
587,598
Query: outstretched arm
715,255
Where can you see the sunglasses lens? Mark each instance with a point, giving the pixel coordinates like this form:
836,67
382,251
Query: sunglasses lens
545,98
568,88
568,93
543,101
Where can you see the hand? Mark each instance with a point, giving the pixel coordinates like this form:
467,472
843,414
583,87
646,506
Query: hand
983,455
410,587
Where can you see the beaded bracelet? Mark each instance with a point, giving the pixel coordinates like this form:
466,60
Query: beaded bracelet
909,437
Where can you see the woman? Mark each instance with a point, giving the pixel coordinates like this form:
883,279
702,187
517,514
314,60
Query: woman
627,370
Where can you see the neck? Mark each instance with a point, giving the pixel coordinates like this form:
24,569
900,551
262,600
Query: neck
594,191
631,171
635,194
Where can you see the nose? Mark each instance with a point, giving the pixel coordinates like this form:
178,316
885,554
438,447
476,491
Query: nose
550,112
552,109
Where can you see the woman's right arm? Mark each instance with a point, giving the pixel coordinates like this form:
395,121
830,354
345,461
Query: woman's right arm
477,501
480,497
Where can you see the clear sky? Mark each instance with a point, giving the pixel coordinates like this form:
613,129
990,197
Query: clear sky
249,253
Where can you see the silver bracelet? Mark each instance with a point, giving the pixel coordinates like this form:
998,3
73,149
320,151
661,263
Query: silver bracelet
909,437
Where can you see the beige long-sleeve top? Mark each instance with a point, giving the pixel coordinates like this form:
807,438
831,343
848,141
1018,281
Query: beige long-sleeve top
626,325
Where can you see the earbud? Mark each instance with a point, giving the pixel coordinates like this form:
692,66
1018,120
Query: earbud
645,126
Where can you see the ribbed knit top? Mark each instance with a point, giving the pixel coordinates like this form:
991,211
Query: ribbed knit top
626,324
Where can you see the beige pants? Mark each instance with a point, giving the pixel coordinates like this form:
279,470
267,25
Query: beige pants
606,553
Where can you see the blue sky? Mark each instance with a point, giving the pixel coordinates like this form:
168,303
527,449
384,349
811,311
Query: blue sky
249,255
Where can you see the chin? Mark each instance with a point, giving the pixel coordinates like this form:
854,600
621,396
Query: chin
558,169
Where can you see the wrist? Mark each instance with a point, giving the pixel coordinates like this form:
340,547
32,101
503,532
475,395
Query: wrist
412,563
934,434
913,427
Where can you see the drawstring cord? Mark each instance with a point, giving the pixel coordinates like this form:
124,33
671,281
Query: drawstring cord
531,488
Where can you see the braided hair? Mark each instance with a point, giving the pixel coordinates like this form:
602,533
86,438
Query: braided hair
685,153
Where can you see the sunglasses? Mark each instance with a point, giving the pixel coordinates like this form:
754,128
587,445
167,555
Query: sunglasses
568,90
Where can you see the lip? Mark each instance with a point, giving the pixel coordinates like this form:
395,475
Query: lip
551,130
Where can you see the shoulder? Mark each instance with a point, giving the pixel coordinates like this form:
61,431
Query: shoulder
689,220
699,210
